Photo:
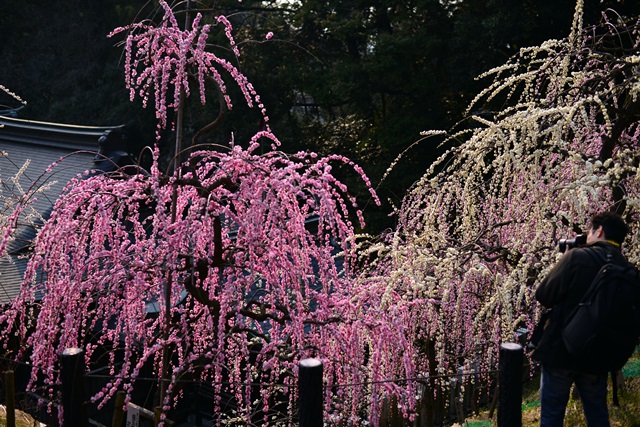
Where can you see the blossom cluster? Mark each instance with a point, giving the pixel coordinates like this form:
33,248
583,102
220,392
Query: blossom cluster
219,264
161,59
12,94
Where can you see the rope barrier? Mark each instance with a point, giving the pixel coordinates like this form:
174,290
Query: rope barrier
359,384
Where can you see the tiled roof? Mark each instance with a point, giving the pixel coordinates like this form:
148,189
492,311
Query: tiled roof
40,144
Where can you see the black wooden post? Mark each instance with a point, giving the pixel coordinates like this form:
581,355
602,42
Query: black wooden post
118,411
10,392
73,390
510,385
310,396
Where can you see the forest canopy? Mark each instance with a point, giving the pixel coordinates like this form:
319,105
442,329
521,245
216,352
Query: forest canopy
361,78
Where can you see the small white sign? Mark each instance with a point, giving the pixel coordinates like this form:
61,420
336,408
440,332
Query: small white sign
133,415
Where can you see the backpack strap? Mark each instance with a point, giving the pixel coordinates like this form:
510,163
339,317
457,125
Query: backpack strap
600,258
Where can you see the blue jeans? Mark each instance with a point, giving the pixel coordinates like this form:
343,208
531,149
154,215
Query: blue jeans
555,387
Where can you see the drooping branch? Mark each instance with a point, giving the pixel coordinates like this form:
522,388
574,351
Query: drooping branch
216,122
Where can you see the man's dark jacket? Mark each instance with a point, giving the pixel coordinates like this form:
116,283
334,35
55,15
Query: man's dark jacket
562,290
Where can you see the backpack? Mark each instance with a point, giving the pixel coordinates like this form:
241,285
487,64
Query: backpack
603,330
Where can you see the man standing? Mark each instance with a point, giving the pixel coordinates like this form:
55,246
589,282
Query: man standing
561,291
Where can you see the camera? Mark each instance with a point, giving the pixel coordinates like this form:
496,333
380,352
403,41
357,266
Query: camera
566,244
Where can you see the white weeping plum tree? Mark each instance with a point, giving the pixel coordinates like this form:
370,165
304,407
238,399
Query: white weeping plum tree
218,246
556,138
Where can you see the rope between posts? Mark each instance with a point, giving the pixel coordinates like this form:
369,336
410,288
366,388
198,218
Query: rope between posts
332,386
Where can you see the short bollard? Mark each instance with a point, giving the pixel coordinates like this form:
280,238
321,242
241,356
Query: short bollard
510,385
73,390
310,396
10,392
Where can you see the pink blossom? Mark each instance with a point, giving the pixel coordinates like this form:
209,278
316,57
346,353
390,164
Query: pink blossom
122,245
158,60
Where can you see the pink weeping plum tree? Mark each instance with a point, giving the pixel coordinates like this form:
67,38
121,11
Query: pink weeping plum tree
240,288
478,232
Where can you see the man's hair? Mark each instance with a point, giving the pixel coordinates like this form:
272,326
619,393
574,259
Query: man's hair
612,224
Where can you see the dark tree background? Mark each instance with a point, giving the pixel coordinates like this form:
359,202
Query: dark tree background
359,77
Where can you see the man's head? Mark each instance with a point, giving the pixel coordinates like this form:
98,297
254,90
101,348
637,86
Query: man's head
607,226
